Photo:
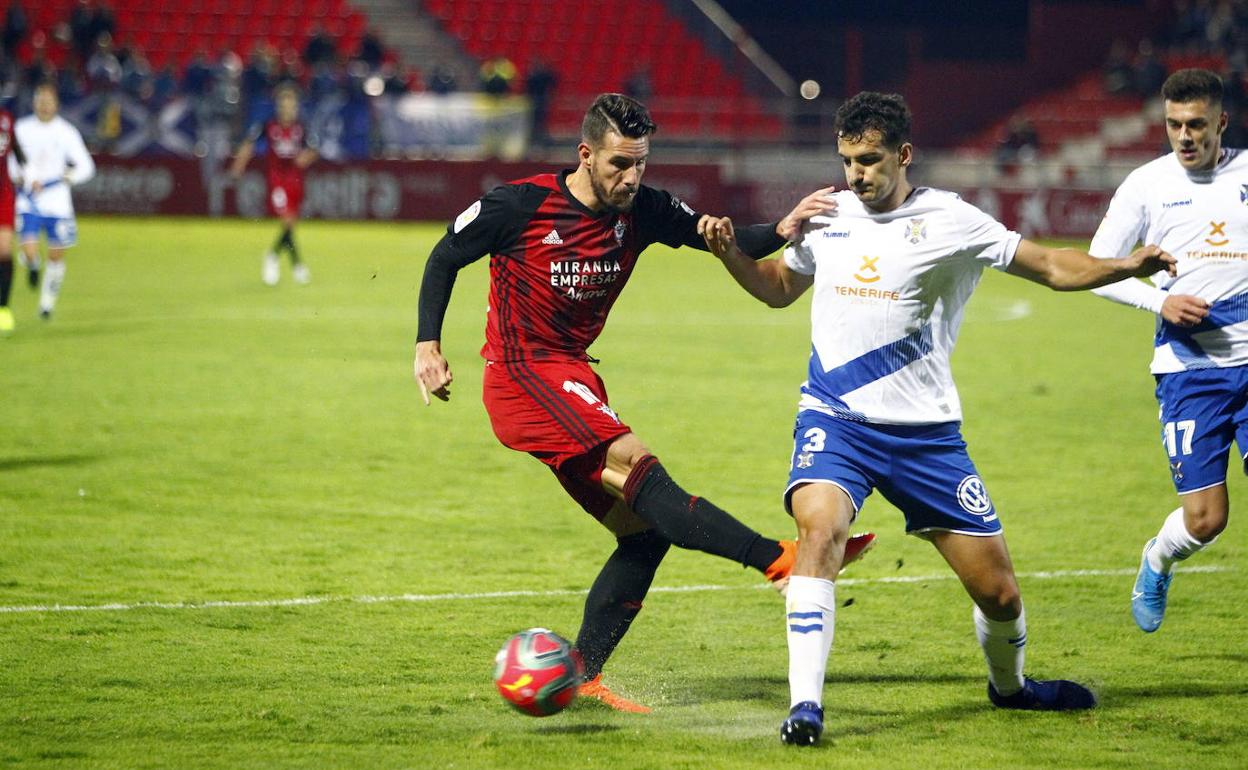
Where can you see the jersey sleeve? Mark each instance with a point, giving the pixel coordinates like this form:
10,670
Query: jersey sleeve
984,239
664,218
490,225
82,165
798,256
1133,293
1124,224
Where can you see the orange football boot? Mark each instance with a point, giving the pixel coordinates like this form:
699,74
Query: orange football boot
595,689
778,572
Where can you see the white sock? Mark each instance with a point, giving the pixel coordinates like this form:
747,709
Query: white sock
811,617
1003,642
53,277
1174,543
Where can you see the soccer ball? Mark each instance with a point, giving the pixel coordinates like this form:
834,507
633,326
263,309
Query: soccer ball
537,672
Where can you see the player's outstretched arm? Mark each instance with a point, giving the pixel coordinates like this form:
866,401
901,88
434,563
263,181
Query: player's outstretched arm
770,280
1074,270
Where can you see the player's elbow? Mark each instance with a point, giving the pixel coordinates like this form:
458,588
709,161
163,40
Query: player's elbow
777,301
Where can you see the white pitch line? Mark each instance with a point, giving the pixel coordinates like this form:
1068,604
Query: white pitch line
304,601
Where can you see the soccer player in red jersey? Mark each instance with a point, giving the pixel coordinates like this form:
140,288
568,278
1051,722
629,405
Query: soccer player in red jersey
8,197
289,149
562,247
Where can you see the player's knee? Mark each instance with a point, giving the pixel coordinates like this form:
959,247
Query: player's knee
821,529
1207,527
1206,520
1002,602
626,452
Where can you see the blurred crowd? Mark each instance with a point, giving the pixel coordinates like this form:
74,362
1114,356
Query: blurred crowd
226,91
1205,33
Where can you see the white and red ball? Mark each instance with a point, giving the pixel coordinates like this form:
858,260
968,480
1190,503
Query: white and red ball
537,671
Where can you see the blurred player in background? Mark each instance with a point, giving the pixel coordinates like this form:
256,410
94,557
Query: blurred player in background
8,145
1193,203
562,248
893,266
289,149
55,160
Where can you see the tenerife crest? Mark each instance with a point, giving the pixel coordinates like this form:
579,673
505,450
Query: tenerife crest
619,232
917,230
1243,194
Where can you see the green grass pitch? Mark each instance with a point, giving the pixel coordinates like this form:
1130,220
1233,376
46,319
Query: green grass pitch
181,434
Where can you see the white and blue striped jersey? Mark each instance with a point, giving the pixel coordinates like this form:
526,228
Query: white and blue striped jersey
55,157
1202,220
889,293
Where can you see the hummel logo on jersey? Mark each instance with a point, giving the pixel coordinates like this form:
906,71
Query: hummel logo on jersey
553,238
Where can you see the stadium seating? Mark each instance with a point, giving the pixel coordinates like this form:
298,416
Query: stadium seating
173,31
1072,112
694,93
1082,111
599,48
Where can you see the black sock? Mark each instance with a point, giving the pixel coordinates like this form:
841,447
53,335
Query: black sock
6,278
692,522
285,241
290,245
615,598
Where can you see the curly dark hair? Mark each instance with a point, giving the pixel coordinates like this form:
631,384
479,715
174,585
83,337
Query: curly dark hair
872,111
1192,85
619,113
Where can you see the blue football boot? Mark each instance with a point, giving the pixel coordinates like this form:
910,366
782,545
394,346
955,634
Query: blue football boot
804,725
1048,695
1148,598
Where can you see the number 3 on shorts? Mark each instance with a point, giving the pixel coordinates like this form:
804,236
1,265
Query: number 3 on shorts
817,438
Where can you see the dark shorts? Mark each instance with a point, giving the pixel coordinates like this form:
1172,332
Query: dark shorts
285,195
1202,411
558,412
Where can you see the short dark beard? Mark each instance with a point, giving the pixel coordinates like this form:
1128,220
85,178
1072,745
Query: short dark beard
603,196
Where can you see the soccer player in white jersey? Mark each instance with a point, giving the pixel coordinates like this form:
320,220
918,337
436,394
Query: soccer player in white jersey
893,266
56,159
1192,202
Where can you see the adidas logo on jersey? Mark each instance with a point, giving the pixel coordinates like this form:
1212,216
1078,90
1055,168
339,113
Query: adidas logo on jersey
553,238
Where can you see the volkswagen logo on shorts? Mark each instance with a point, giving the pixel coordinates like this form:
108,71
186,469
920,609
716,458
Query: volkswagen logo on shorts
973,497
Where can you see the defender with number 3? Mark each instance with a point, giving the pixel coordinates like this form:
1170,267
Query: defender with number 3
892,266
1194,203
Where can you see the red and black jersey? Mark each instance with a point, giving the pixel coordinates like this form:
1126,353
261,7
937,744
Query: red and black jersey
556,267
283,143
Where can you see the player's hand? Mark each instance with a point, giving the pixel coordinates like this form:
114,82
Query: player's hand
433,373
719,235
818,202
35,187
1184,309
1150,260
